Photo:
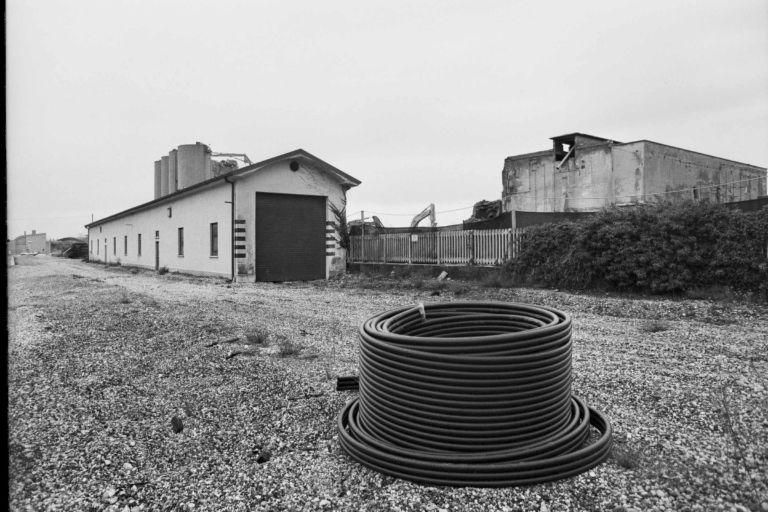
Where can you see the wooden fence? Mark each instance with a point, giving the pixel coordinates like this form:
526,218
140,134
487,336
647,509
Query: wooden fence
490,247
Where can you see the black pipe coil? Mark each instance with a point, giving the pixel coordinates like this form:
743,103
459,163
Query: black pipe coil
471,394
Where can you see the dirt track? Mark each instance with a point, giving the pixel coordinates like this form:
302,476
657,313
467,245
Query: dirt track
101,359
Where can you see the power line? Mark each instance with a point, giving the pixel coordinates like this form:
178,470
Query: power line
412,214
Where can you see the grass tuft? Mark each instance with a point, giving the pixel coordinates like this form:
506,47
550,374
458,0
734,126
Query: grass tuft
655,326
286,346
626,457
257,336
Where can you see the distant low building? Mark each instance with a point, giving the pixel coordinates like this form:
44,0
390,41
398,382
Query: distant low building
36,242
586,173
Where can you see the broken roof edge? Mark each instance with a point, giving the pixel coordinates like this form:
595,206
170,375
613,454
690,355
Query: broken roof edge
569,136
344,178
691,151
543,152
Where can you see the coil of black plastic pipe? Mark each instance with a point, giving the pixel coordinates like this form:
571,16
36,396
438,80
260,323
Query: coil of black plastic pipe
471,394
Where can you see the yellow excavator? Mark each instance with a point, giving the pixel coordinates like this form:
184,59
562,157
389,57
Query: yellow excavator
429,211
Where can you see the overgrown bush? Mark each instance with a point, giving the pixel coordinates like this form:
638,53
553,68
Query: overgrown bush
650,248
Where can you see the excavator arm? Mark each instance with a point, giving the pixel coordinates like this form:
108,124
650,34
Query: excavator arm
429,211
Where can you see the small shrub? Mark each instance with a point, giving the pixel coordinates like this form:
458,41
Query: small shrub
418,283
655,326
257,336
491,281
626,457
714,292
287,347
124,297
134,271
162,270
401,272
458,288
496,280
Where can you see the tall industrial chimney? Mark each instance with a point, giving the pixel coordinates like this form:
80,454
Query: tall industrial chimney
173,181
193,164
158,188
164,176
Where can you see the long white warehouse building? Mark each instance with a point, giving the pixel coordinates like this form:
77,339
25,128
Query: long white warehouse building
266,221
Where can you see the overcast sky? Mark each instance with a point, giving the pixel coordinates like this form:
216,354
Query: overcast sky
420,100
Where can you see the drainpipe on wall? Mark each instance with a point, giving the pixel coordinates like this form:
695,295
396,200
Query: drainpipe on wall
232,228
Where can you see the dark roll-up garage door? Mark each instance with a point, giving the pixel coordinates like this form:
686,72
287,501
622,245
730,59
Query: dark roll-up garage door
290,237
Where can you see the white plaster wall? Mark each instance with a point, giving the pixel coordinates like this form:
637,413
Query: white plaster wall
280,179
194,213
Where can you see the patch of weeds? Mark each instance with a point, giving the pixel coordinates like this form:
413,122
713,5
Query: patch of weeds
626,457
286,346
714,292
134,270
403,272
162,270
257,336
418,283
496,280
655,326
124,297
437,285
458,288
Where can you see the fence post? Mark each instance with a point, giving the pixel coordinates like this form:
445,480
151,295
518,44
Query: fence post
362,236
510,244
437,246
410,245
471,246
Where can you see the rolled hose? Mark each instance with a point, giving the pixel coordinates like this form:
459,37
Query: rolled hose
471,394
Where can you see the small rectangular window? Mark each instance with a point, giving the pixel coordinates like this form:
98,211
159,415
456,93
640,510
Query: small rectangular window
214,238
138,245
114,245
125,245
157,234
97,247
170,212
90,245
181,241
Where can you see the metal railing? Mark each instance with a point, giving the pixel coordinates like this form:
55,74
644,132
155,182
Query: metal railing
489,247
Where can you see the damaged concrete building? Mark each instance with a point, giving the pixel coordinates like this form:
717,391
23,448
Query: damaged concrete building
586,173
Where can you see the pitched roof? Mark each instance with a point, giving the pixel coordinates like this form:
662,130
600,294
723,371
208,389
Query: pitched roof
298,154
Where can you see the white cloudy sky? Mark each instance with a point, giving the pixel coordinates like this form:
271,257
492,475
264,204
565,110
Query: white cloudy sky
420,100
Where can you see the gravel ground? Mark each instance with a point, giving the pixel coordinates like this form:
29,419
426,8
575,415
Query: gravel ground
100,361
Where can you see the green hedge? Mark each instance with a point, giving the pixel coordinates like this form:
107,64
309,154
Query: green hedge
649,248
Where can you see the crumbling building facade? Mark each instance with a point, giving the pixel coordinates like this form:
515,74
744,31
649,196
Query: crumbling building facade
586,173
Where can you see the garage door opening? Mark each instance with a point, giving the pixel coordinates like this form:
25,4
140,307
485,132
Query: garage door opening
290,237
